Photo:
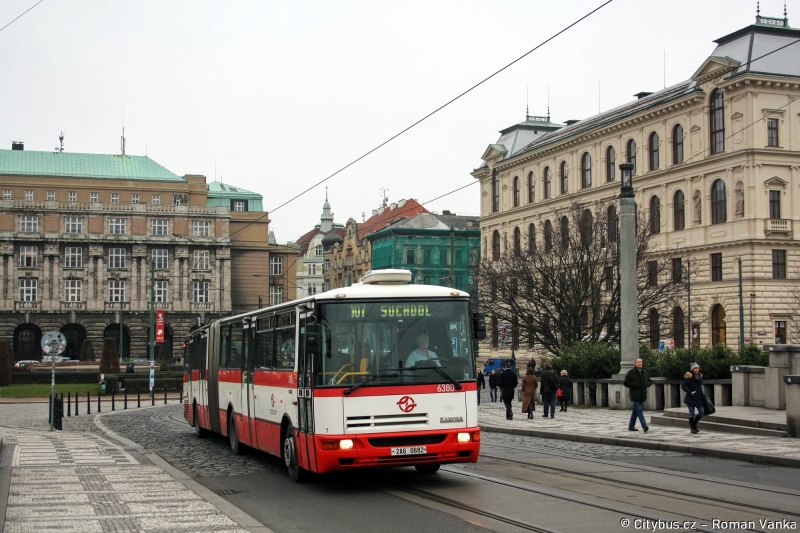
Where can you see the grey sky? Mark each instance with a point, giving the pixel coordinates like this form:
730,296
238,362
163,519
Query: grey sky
281,94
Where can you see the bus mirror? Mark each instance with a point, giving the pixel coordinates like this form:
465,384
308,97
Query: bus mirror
479,325
312,338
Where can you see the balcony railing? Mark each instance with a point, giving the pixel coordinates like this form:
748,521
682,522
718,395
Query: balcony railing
117,305
164,306
114,208
778,225
20,305
202,306
73,305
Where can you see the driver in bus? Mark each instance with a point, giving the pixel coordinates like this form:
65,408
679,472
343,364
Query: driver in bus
422,354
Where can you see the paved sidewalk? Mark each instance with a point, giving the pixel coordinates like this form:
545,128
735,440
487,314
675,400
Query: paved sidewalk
94,481
607,426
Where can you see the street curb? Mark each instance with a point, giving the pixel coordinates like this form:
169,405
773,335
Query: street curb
648,445
243,519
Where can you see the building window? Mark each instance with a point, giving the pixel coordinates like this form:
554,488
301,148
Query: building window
409,257
531,188
531,238
586,171
29,195
161,291
134,198
28,289
678,328
564,233
655,215
200,228
677,270
93,197
117,226
495,245
238,205
275,265
200,292
548,183
6,194
564,175
778,264
517,242
73,257
775,204
611,221
719,203
202,260
156,199
780,332
116,257
116,290
652,274
772,132
29,223
517,191
717,117
28,256
611,161
318,250
495,192
159,226
655,334
160,256
609,277
548,236
677,145
275,295
114,197
630,154
73,224
72,290
679,211
654,159
718,325
716,267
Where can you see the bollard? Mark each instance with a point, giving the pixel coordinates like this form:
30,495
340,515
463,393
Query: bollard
98,403
88,403
69,404
112,401
165,396
126,400
76,404
138,399
152,397
50,409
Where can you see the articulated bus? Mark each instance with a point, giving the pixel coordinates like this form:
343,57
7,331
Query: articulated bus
378,374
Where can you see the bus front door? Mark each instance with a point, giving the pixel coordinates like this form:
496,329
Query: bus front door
248,392
306,453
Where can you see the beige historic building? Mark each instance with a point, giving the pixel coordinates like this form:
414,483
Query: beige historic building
716,166
80,232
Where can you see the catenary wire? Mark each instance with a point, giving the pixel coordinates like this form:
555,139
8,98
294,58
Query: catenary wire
20,15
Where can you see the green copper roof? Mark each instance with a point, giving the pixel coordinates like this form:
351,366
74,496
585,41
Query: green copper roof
223,190
72,165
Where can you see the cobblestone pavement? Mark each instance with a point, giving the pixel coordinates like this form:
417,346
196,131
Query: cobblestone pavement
614,423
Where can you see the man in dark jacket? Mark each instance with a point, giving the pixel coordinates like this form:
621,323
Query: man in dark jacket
481,383
637,380
493,386
508,382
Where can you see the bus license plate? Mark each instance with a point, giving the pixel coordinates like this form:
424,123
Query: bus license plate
410,450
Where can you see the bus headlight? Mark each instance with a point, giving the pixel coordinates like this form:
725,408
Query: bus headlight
346,444
464,437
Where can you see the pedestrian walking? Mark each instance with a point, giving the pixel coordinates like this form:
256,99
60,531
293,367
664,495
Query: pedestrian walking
550,384
532,364
508,382
493,386
693,387
529,385
637,380
481,383
564,394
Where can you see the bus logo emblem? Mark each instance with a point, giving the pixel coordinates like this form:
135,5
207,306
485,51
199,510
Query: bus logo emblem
406,404
273,400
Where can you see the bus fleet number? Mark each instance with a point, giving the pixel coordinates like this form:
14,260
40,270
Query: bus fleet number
446,387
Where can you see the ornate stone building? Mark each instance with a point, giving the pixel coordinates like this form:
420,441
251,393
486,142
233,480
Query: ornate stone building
311,262
716,168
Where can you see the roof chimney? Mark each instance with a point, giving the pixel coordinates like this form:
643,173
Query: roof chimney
571,122
641,95
17,145
446,212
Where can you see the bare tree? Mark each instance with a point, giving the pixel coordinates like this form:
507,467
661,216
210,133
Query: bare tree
558,281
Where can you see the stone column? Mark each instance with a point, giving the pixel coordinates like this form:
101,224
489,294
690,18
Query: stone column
12,280
792,384
780,364
135,296
629,323
175,283
46,291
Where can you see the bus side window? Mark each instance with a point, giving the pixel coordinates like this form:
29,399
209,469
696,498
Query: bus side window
263,349
224,346
236,346
284,356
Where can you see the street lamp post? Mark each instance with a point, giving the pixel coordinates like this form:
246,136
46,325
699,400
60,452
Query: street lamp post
629,324
452,256
152,328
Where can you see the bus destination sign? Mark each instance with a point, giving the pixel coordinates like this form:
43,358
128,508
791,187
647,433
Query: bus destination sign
392,310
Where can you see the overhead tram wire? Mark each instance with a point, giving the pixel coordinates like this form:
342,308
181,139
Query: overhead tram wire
393,137
20,16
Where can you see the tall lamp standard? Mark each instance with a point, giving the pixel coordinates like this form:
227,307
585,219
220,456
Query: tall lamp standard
629,324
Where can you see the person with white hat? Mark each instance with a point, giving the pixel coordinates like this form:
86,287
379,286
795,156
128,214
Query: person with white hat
693,387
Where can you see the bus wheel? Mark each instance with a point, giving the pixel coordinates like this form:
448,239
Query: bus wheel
236,447
427,468
296,473
199,432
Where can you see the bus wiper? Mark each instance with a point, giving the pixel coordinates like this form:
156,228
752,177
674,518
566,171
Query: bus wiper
439,370
369,379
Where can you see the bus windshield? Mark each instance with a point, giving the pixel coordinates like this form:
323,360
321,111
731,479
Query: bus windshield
373,343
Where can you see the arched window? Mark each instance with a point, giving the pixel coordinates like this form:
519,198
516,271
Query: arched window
548,236
717,325
655,215
531,238
531,187
655,334
495,192
563,174
679,211
548,183
564,232
495,245
587,223
517,192
678,327
611,164
630,154
719,203
717,117
517,242
653,145
677,144
612,225
586,171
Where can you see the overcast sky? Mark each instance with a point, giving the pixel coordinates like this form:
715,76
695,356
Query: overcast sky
279,95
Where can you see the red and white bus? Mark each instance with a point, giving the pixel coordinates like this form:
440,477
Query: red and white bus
381,373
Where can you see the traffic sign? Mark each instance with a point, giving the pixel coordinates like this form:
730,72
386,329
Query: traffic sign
661,345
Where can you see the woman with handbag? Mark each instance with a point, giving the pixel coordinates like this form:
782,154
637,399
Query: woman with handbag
564,392
693,387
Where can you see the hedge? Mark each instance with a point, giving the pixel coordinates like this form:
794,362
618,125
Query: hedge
32,378
134,385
